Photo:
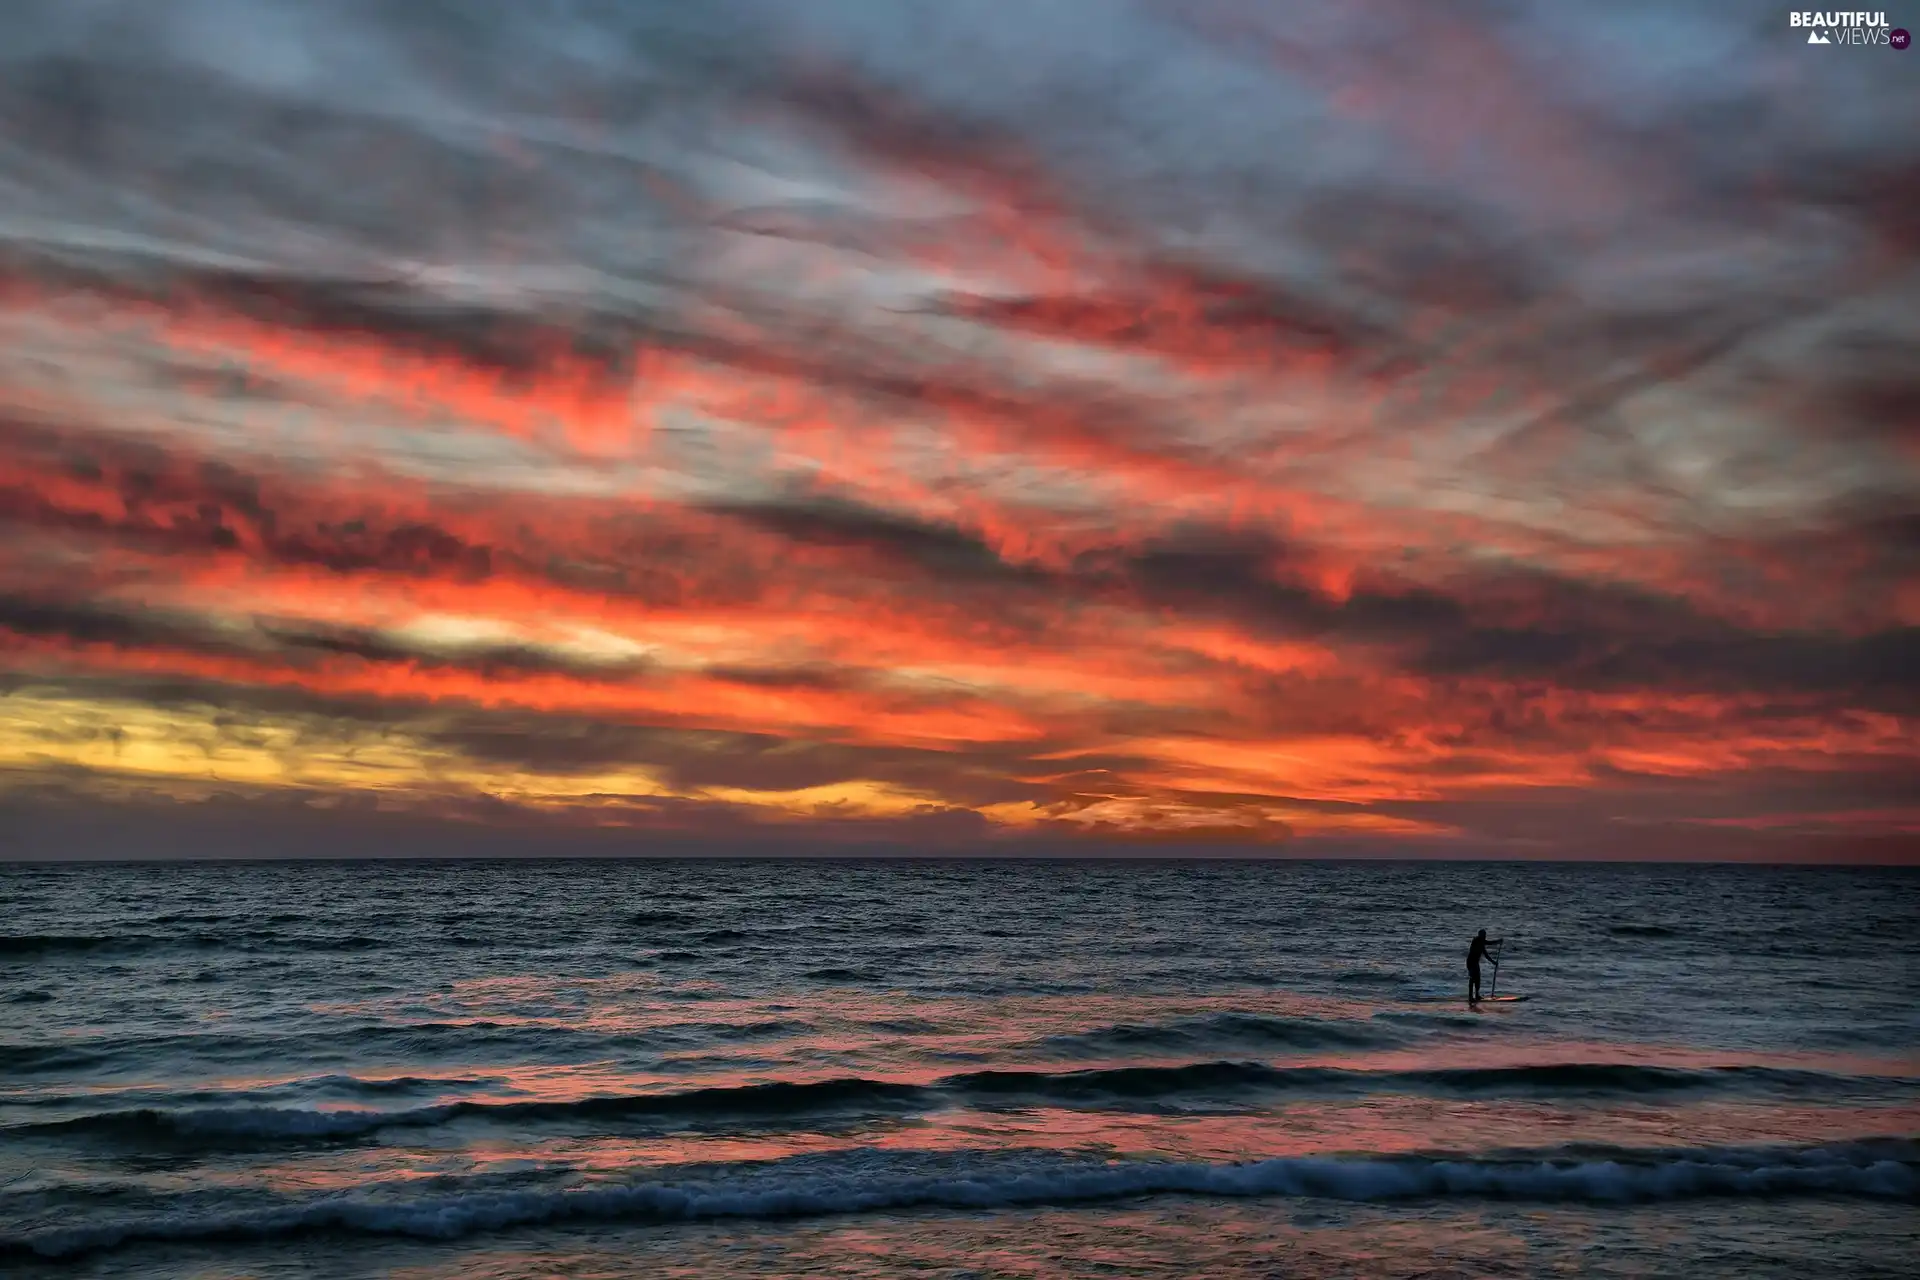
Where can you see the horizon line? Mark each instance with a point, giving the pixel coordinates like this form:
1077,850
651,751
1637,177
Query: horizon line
951,856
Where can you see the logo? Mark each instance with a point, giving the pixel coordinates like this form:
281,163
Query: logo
1848,27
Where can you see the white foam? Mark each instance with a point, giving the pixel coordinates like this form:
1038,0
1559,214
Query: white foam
779,1191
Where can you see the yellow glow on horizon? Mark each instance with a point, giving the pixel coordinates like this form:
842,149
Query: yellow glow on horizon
201,744
856,797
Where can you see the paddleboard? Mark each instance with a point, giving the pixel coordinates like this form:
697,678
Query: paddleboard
1458,999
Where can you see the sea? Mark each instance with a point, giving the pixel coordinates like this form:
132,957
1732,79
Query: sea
987,1068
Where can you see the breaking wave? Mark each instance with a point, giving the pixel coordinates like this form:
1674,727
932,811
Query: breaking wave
799,1189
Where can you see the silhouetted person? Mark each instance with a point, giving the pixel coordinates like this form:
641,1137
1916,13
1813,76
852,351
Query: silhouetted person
1475,954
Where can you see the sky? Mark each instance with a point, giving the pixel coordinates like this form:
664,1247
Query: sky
1376,429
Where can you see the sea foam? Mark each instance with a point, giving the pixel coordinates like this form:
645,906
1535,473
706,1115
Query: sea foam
778,1191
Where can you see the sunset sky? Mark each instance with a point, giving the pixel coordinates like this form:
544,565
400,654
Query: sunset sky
1373,428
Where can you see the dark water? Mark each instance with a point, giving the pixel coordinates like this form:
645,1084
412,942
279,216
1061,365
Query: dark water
946,1069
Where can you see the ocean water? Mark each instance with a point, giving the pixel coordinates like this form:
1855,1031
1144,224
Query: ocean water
902,1068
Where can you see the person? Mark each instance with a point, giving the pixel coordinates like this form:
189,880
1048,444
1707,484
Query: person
1475,954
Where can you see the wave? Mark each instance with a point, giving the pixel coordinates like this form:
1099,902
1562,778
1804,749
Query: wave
1370,978
840,973
656,919
291,1089
1424,1018
255,1124
53,944
1240,1029
221,917
1642,931
1144,1084
392,1084
804,1188
1171,1084
1151,1088
764,1029
410,1042
1619,1078
33,944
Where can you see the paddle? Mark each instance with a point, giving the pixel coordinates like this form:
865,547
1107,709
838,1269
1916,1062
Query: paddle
1498,947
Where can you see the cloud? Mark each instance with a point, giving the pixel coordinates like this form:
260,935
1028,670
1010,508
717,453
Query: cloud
937,548
766,422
